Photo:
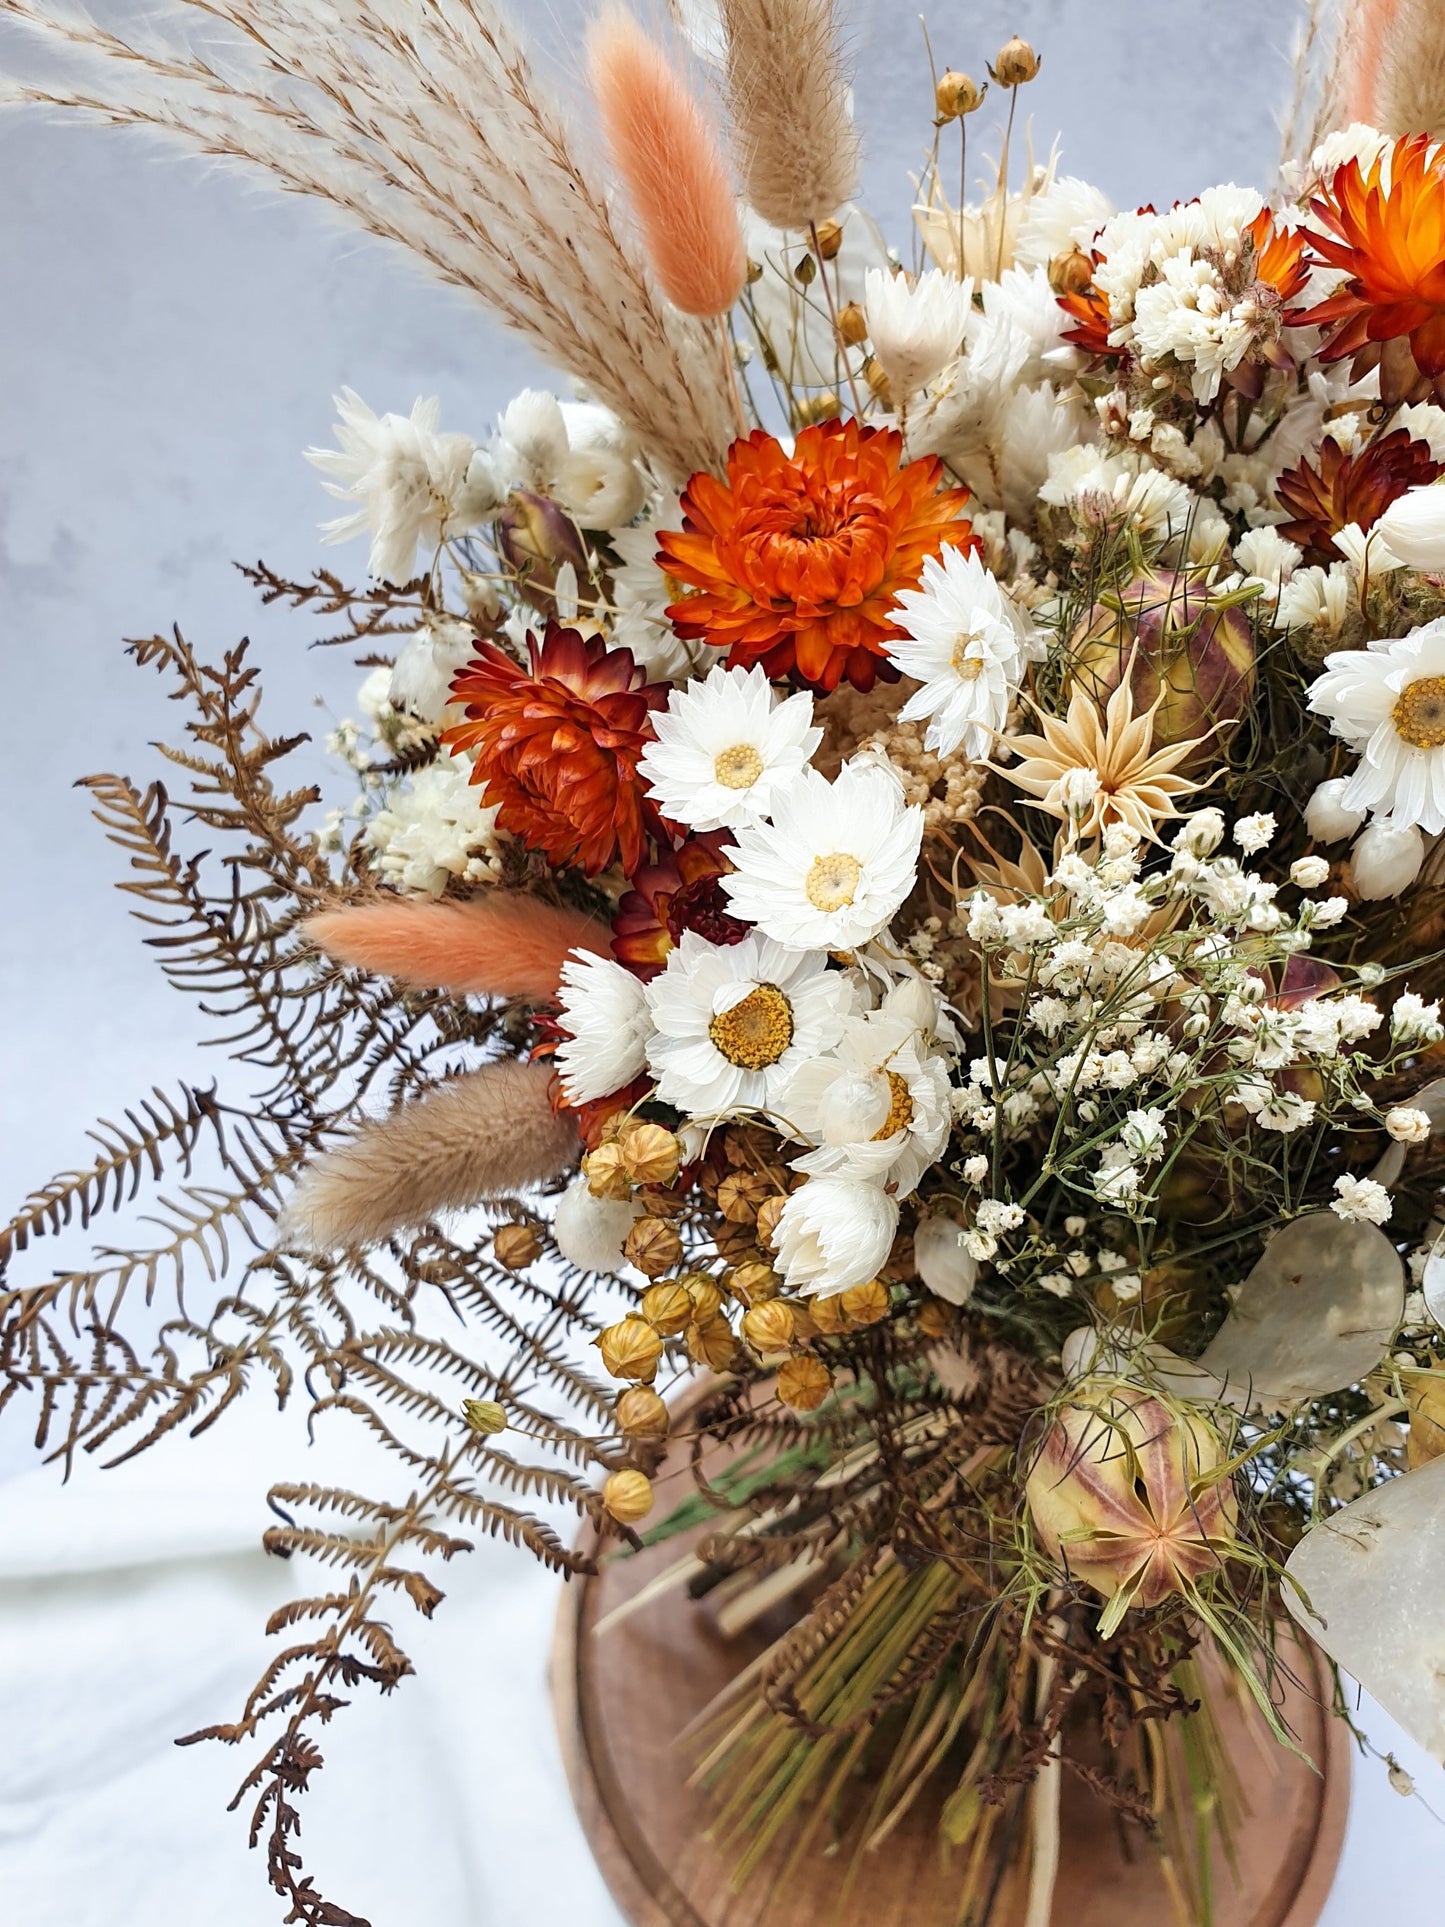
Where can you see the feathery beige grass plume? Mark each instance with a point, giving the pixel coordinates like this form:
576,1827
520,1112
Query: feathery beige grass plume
433,132
481,1136
796,146
666,149
1396,74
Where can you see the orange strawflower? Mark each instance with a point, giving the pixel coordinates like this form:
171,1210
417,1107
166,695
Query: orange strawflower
1390,241
1342,488
680,891
558,748
797,559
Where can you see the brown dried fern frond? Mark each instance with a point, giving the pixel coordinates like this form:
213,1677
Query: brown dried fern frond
438,136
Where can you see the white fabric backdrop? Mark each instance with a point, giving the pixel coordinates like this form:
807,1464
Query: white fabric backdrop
168,343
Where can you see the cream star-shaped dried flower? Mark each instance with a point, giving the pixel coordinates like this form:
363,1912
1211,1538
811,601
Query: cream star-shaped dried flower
1136,783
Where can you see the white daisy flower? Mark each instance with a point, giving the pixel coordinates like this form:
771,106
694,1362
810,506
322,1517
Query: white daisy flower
724,745
1388,703
833,1234
604,1011
734,1021
878,1107
916,327
836,862
967,644
1413,528
412,482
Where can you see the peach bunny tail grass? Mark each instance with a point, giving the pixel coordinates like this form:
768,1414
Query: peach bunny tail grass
797,149
668,154
482,1136
498,945
1400,87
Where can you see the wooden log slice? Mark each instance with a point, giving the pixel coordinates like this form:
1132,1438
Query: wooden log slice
622,1698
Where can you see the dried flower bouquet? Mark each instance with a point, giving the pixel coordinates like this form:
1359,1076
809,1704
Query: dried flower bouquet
894,857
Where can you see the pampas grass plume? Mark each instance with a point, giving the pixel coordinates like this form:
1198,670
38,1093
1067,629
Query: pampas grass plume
497,945
667,152
482,1136
796,145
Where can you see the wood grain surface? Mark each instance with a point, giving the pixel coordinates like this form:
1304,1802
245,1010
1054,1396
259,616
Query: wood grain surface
623,1697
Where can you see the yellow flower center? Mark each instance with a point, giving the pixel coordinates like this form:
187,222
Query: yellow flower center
965,666
833,880
756,1031
1419,715
900,1111
738,768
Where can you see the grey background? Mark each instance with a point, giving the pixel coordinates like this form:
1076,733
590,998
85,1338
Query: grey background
170,338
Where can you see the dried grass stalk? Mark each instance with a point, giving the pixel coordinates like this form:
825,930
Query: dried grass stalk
665,147
497,945
484,1135
796,145
431,131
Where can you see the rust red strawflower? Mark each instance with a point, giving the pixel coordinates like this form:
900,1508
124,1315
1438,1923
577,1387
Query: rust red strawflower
557,746
1385,227
796,559
1325,496
680,891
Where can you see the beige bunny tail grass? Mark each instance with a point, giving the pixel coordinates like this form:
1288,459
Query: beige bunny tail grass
1401,84
666,149
500,944
797,149
483,1136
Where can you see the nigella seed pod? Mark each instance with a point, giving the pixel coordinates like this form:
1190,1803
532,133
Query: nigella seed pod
1190,652
537,537
1123,1491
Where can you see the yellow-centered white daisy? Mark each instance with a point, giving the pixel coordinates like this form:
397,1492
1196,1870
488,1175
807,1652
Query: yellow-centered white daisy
604,1008
877,1107
734,1021
1388,703
967,643
831,869
724,747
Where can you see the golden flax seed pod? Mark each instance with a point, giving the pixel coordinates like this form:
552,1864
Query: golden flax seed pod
935,1319
516,1245
770,1327
804,1382
852,325
705,1296
630,1349
866,1304
667,1308
740,1194
628,1497
641,1413
805,1326
607,1174
484,1415
712,1344
957,94
829,238
652,1155
1072,271
877,380
754,1283
769,1211
830,1316
653,1246
1015,63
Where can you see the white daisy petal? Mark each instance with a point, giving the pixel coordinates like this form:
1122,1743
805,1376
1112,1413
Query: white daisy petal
724,746
967,643
604,1010
1388,703
877,1107
834,1234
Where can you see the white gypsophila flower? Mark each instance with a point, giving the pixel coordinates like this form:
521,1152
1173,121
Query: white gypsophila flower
1326,817
1067,213
1386,859
734,1021
1321,600
916,327
966,642
1264,555
427,663
1117,1178
1200,834
435,827
1413,528
975,1169
1255,832
724,746
1320,914
1413,1021
940,1257
834,1233
878,1107
1361,1201
411,482
1309,872
1407,1124
604,1013
589,1231
1387,702
835,863
577,452
1144,1135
